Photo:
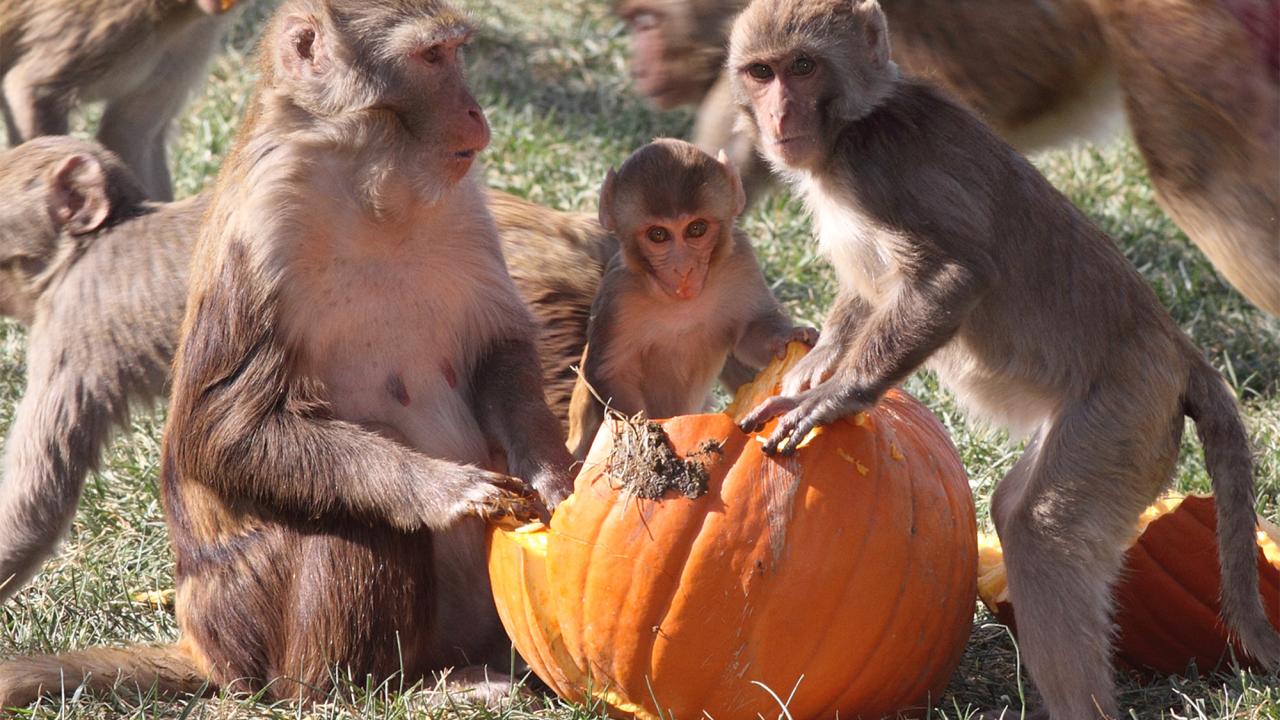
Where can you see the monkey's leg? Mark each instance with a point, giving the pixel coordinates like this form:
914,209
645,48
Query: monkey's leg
1063,514
34,107
135,125
57,435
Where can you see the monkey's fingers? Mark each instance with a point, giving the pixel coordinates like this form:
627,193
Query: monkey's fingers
766,411
510,511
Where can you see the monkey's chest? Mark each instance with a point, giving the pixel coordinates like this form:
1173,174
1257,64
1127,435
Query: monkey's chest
860,250
394,346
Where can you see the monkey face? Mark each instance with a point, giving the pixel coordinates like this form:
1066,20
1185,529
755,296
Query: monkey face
673,61
784,98
677,251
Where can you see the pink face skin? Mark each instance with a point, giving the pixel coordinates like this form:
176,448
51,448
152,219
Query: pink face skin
679,252
784,95
463,127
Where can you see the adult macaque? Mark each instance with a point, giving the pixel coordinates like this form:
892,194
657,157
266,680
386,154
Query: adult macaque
99,276
353,363
142,57
103,300
1200,82
954,253
1202,89
684,294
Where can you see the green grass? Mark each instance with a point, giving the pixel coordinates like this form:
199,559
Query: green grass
552,76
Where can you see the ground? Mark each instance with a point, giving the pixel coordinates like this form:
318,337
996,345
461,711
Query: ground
552,79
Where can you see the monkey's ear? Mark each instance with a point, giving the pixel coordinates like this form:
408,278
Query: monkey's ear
215,7
735,180
78,195
875,31
606,201
304,51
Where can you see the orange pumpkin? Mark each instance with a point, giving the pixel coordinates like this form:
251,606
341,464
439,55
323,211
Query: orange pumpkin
837,580
1167,600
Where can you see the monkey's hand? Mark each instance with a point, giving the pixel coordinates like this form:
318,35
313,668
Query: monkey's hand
805,334
819,406
500,499
813,369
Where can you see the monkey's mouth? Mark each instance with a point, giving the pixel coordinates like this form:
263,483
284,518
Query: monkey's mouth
467,155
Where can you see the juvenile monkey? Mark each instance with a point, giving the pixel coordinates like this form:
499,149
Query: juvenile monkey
353,362
143,57
683,295
98,274
953,253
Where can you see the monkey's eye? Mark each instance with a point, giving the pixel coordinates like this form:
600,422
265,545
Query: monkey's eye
658,235
760,71
803,66
697,228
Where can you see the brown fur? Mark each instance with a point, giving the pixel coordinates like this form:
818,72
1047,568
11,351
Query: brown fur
651,349
103,307
1202,91
305,537
101,340
954,254
142,57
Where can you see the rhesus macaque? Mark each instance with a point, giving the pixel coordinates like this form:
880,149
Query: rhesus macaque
953,253
353,366
98,274
1199,81
103,300
683,295
1202,90
143,57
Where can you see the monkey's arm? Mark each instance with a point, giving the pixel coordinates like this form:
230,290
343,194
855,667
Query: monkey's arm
766,337
846,316
585,412
928,310
511,409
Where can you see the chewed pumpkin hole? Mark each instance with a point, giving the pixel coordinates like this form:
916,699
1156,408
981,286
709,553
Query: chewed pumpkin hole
643,457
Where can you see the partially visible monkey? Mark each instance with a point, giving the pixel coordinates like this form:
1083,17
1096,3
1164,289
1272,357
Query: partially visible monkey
1199,81
1202,90
954,253
99,276
142,57
354,363
683,295
556,260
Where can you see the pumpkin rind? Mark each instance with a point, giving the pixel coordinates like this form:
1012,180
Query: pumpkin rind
840,577
1167,610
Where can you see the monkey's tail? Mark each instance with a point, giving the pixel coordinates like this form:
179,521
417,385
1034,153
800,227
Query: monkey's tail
170,669
1212,406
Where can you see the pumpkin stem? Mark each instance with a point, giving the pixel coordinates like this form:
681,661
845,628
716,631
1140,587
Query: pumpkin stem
643,459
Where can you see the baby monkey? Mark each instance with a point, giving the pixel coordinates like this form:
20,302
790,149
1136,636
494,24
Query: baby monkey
684,295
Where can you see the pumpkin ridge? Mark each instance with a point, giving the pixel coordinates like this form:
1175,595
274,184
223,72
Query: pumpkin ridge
1153,616
687,538
870,521
874,698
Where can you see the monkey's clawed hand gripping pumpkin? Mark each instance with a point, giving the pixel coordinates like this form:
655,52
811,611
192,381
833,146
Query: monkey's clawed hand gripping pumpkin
838,579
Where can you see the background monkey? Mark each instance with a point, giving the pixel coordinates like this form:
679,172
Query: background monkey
952,251
1200,82
142,57
683,295
103,299
99,275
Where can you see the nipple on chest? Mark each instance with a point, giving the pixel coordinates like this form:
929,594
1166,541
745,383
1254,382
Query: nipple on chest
395,386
